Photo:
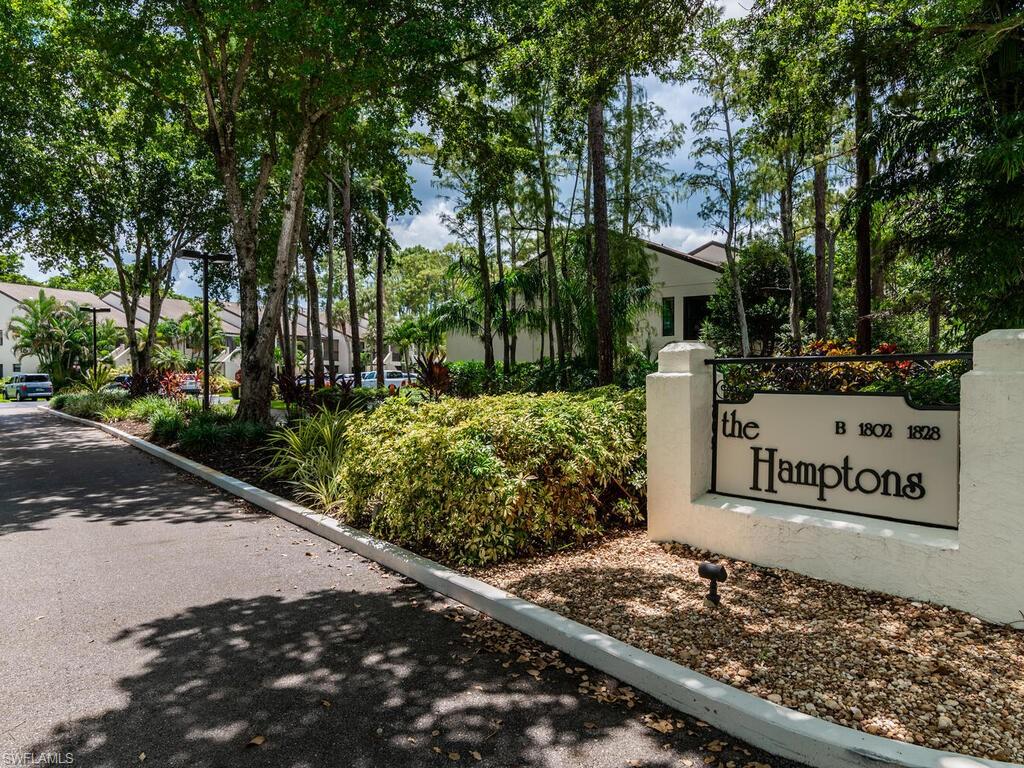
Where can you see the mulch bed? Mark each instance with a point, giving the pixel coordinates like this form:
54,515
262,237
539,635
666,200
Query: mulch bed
910,671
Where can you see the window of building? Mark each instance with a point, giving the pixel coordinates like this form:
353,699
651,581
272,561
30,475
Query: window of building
695,309
668,316
16,367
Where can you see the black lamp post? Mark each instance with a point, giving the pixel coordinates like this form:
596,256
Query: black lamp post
206,258
95,311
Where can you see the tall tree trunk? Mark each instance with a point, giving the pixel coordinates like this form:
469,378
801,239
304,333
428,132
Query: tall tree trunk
131,280
555,300
514,337
822,308
789,246
588,235
567,330
332,362
313,335
602,259
627,158
540,296
550,316
879,261
350,272
862,227
293,368
259,332
732,223
486,335
506,360
287,361
382,252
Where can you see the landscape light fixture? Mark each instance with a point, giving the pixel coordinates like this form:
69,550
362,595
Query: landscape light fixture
714,573
95,311
206,258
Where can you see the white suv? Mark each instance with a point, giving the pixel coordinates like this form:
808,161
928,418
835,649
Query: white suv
28,386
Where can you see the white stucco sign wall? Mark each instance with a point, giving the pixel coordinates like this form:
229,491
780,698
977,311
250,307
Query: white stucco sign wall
864,454
976,566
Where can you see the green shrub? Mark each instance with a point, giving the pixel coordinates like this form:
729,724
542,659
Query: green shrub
245,432
167,426
87,405
220,385
149,407
469,378
321,434
115,412
480,480
347,398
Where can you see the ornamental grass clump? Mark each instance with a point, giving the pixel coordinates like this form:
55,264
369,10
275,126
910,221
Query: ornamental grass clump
87,405
483,480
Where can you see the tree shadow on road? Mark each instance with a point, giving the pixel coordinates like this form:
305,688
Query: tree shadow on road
346,679
332,678
53,468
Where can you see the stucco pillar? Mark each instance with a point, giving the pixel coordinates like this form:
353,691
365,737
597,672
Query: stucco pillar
992,476
678,436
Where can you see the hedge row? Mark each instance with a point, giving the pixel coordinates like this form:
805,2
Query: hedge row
476,481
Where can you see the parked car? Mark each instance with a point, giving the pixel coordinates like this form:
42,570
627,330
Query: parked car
191,385
398,379
310,381
28,386
119,382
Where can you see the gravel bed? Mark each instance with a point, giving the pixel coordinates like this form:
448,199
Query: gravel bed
906,670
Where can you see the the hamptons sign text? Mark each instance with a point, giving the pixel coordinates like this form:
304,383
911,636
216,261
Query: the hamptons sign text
866,454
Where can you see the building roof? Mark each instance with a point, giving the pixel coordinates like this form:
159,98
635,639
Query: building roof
20,292
711,255
170,308
175,309
341,326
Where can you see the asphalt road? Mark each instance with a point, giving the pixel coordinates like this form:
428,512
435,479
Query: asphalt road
148,618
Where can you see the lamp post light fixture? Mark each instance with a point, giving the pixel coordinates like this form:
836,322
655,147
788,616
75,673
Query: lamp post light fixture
714,573
206,258
95,311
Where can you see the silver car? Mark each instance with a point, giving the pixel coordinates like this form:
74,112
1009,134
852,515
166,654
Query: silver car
28,386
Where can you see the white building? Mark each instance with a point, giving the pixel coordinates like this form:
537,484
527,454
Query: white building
13,294
11,297
683,283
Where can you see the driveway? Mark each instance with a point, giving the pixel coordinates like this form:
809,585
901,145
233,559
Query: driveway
148,618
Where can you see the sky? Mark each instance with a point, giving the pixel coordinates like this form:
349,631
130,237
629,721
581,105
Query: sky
427,227
686,231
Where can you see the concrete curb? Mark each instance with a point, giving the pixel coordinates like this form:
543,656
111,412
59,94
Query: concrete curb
775,729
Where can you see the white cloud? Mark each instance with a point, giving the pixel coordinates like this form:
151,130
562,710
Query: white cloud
426,228
735,9
681,238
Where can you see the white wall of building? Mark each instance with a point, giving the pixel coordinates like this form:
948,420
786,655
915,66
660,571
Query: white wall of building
461,346
9,362
677,276
679,280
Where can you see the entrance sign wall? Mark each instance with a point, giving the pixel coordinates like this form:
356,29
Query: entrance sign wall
975,566
865,454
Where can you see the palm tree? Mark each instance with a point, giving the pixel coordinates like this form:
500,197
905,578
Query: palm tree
32,330
403,335
169,358
53,332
